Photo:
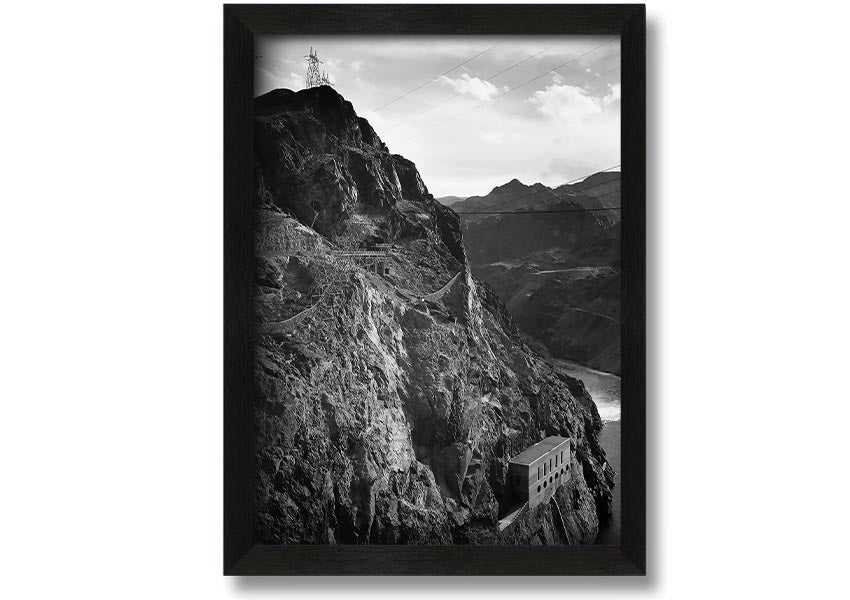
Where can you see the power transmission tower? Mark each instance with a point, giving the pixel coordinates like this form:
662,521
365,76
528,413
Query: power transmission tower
314,77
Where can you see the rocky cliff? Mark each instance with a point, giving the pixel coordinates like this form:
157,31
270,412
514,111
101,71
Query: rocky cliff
392,389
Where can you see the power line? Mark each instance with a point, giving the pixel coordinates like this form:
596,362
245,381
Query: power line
542,212
571,181
479,227
545,200
552,70
550,189
498,223
525,108
526,211
526,59
418,87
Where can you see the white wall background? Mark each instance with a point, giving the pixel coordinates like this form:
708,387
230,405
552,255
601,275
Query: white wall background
110,242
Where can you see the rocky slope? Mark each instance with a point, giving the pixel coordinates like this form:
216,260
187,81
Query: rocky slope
390,399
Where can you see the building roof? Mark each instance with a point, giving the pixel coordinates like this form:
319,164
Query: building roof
529,455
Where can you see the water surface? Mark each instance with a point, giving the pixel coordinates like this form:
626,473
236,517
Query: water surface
604,388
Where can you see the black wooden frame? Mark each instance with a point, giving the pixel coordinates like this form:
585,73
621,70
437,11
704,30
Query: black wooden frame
242,556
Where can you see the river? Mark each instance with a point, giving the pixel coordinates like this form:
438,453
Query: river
604,388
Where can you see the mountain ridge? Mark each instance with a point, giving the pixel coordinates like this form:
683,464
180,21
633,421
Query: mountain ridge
595,192
558,275
387,413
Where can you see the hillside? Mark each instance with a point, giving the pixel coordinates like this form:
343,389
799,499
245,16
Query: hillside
392,385
513,195
558,275
600,190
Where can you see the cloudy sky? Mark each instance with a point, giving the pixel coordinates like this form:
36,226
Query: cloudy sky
472,112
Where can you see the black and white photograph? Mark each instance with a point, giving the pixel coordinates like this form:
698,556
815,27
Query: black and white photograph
370,301
424,301
437,290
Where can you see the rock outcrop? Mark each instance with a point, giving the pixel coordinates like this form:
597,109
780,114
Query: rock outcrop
386,413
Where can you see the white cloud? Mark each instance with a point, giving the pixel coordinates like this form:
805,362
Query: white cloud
472,86
493,137
566,103
357,65
613,96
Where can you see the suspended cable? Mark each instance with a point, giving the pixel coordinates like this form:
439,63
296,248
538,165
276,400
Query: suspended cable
493,76
419,87
550,189
533,79
542,212
523,109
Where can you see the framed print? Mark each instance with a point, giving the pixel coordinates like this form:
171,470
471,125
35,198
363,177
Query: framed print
434,289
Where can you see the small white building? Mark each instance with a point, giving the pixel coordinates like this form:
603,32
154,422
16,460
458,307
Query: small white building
536,472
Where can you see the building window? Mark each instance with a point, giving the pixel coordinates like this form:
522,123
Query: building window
562,457
544,485
538,473
556,460
545,469
538,489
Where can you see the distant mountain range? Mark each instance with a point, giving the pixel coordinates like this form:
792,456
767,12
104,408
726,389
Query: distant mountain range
449,200
557,273
513,195
601,190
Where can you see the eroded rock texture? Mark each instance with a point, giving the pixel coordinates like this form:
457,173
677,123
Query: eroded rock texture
389,402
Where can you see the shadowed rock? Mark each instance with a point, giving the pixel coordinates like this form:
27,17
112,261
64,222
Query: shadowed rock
382,416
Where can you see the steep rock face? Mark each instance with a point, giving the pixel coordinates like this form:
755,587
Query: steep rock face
390,400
